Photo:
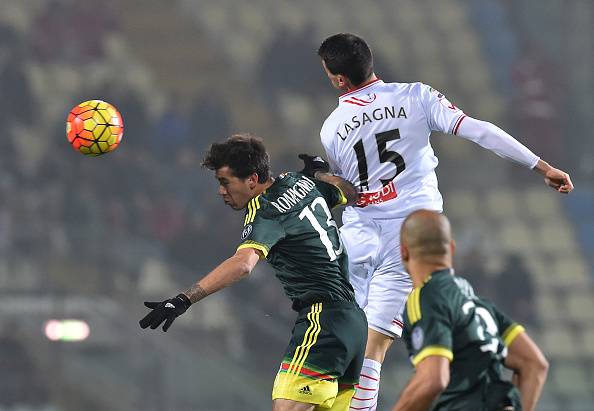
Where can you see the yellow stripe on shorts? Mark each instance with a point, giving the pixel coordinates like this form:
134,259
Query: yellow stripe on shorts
315,333
306,339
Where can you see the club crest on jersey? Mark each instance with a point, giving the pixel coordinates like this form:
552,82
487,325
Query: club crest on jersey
417,338
247,230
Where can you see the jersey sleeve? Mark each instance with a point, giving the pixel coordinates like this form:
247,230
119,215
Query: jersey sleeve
332,194
493,138
508,328
442,115
259,232
430,327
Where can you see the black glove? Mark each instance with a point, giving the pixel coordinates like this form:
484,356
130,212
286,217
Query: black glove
167,311
313,164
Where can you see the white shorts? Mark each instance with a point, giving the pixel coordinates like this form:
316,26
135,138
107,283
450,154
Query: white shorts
376,271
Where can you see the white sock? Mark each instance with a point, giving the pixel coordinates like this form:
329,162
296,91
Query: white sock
366,393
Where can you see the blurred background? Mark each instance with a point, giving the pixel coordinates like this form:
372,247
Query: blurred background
90,239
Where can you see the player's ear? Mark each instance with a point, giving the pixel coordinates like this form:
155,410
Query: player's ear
344,82
253,181
452,247
404,254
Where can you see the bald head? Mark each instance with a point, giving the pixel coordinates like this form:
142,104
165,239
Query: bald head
426,233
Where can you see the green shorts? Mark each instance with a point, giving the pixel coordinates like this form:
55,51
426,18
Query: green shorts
325,353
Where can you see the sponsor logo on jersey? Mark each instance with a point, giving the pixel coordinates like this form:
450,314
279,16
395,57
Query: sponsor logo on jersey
387,193
247,230
417,338
293,195
368,117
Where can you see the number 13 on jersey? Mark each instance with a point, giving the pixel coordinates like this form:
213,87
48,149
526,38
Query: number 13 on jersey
307,212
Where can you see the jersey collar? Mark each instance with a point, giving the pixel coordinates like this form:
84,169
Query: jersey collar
444,271
361,87
438,272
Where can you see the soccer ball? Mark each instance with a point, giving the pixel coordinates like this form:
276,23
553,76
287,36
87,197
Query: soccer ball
94,127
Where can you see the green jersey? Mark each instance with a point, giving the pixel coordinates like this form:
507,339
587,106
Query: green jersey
291,225
444,317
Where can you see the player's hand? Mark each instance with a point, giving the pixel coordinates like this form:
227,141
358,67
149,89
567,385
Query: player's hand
313,164
559,180
167,311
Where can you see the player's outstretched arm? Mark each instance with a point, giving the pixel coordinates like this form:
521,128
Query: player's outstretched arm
228,272
432,376
493,138
349,190
530,369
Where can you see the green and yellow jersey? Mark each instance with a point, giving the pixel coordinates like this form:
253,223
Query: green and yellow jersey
444,317
291,225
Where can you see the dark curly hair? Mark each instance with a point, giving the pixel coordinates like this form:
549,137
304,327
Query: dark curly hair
244,154
349,55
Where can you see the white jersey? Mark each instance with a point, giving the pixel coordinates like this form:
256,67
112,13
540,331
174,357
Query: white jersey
378,139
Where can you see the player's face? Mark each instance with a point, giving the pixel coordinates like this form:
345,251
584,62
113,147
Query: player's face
236,192
338,81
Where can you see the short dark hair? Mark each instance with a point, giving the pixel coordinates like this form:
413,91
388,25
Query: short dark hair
244,154
349,55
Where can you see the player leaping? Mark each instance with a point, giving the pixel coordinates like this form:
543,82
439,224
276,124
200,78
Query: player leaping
378,139
288,223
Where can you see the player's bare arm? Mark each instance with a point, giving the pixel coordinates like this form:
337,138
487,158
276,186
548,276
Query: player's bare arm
430,379
493,138
349,190
228,272
530,369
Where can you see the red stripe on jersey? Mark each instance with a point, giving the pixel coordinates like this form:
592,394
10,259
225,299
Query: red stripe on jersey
457,125
354,102
364,101
397,322
359,100
362,86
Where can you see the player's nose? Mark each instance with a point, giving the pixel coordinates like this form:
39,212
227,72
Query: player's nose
222,191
